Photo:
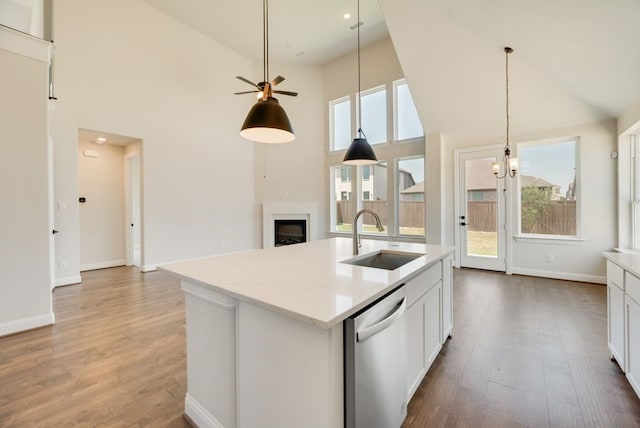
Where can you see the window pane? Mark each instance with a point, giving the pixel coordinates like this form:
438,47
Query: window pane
374,116
411,210
548,189
341,124
375,188
342,199
408,123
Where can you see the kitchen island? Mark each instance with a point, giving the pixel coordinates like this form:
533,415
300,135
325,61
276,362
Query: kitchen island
265,334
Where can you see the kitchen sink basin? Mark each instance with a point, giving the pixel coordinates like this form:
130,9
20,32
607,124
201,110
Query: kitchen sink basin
383,259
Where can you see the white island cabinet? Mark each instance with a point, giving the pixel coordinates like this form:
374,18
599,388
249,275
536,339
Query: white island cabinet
623,313
265,328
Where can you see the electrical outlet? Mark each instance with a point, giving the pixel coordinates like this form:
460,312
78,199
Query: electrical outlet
550,258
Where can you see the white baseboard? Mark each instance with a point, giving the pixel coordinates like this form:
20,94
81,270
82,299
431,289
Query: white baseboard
560,275
26,324
148,268
68,280
103,265
199,415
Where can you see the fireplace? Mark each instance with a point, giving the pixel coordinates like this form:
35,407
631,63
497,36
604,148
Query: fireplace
288,232
286,224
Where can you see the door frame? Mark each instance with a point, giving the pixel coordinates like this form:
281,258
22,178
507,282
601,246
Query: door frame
506,189
129,206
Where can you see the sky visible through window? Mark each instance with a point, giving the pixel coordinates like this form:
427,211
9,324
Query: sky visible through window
554,163
415,167
409,125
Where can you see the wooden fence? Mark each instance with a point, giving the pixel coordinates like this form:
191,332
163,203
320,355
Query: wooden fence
558,218
411,212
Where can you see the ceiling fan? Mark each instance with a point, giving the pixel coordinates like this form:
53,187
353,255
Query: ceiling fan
265,88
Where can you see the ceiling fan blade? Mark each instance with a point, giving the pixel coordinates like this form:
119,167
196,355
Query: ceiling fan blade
276,80
245,92
247,81
292,94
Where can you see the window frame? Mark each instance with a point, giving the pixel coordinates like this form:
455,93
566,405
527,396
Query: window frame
578,194
396,84
363,94
635,191
332,104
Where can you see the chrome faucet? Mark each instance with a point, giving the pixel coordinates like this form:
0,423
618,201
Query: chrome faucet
354,227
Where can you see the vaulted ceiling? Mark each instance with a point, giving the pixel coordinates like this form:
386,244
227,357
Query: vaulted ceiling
581,57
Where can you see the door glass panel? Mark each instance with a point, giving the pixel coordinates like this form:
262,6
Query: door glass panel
481,205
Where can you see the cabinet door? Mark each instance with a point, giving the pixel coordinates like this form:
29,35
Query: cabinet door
416,358
633,343
447,298
432,340
615,321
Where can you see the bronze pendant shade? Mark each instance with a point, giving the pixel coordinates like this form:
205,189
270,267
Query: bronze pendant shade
267,122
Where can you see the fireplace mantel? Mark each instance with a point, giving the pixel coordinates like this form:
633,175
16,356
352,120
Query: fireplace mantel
287,211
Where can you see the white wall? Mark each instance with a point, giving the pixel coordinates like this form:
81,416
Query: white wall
457,82
293,173
153,78
102,216
25,294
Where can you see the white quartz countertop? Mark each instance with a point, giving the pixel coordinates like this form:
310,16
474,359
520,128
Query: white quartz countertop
306,281
628,261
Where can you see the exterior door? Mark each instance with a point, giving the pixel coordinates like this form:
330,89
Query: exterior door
480,221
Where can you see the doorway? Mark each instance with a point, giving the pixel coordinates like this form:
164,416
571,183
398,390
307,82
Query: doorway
480,226
110,200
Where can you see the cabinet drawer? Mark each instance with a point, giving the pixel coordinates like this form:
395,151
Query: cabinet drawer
632,285
615,275
421,283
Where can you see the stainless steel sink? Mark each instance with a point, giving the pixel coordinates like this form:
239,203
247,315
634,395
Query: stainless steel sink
383,259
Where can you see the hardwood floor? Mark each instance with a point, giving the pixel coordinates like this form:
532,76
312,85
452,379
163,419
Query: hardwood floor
525,352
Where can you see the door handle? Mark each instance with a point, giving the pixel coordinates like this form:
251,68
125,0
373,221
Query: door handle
53,232
367,332
462,223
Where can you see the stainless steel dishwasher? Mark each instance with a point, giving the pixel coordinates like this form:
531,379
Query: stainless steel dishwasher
375,364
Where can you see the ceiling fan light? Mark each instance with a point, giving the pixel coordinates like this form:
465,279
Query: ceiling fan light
267,122
360,152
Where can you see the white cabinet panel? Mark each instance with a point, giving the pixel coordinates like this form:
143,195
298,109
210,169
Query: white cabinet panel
432,340
615,318
632,286
633,343
447,298
416,358
615,274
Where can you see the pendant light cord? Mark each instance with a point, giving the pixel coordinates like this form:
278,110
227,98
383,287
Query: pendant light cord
265,39
359,86
506,53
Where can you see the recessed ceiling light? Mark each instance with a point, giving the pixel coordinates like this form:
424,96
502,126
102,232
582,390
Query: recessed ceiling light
100,140
346,15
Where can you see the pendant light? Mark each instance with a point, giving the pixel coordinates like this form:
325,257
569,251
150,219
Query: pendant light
360,151
510,164
267,122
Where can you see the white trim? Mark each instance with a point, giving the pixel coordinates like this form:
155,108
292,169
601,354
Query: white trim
25,44
27,324
211,296
272,212
149,268
569,276
198,414
103,265
68,280
550,239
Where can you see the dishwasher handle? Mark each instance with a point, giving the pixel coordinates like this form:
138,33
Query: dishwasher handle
367,332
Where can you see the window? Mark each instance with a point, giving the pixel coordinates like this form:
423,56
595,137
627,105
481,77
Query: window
366,172
411,204
374,114
635,203
406,120
342,207
340,123
376,198
548,188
